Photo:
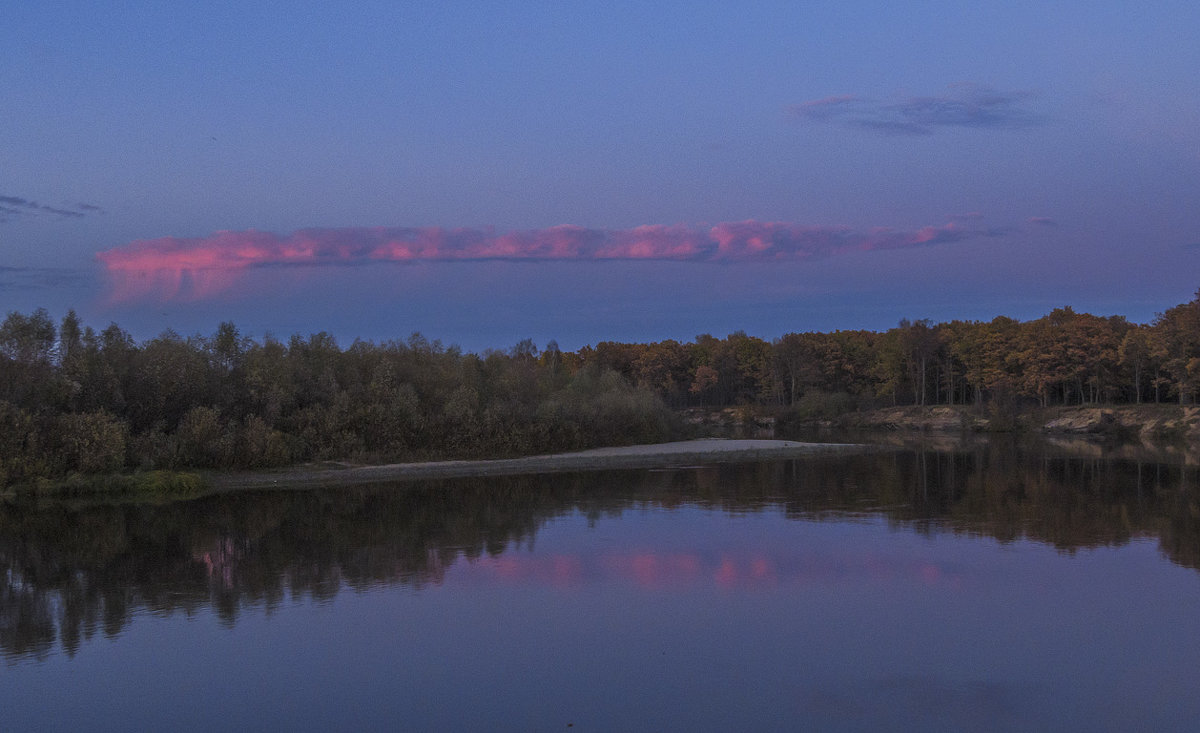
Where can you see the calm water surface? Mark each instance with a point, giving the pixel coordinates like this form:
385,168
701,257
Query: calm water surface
989,588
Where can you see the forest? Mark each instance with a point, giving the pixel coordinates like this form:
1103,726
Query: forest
76,401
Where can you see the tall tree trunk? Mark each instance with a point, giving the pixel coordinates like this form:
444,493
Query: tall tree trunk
923,380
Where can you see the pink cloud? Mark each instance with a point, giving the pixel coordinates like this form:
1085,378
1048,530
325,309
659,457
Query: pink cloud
172,268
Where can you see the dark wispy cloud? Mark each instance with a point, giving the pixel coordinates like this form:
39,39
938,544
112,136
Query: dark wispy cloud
964,105
196,268
1043,221
32,278
13,207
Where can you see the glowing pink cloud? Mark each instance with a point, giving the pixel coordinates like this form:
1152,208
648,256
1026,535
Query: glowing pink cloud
176,268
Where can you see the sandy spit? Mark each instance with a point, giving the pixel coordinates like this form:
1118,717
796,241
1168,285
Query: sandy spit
659,455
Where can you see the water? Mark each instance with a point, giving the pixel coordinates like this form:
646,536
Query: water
989,588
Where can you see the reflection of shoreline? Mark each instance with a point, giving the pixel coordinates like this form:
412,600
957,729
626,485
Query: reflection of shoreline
662,455
1053,445
71,570
1140,432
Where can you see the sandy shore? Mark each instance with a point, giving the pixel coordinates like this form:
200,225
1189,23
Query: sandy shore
660,455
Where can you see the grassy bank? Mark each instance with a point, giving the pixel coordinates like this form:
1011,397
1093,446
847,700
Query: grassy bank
142,484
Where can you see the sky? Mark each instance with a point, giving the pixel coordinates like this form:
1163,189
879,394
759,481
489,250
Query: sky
486,172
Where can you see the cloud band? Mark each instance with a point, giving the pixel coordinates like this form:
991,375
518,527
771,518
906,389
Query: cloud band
199,267
965,106
15,206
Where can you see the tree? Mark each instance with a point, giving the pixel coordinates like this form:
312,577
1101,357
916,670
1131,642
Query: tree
27,376
987,352
525,350
552,357
1134,354
919,343
227,348
1047,366
1175,342
92,442
797,364
705,379
664,368
890,369
1095,343
171,376
27,339
70,338
752,359
269,380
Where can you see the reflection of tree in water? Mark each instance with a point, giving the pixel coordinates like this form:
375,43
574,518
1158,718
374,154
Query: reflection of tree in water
73,572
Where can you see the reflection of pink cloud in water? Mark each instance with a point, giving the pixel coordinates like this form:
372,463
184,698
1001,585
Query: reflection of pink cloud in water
177,268
755,570
554,570
506,566
726,573
566,570
760,569
654,571
659,571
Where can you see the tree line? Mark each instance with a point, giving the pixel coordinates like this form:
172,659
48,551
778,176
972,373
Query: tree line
1063,358
76,400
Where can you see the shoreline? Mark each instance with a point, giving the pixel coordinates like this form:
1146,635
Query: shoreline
661,455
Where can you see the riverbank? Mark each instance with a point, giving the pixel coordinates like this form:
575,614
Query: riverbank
1147,423
662,455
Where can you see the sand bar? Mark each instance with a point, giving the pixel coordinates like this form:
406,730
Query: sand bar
660,455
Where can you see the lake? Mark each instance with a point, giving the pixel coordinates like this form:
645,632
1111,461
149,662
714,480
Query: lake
994,586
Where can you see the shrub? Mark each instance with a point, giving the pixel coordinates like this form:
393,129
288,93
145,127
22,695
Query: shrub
92,442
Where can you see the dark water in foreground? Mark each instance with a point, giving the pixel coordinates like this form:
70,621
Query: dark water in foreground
982,589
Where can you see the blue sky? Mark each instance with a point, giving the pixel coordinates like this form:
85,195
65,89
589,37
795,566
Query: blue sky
880,161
